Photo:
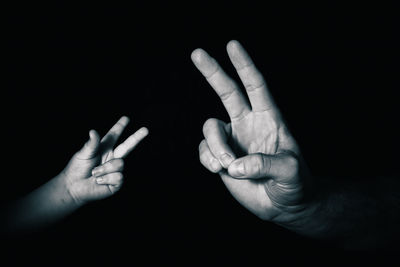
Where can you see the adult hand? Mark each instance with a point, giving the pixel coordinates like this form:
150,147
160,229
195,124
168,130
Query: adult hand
255,155
86,183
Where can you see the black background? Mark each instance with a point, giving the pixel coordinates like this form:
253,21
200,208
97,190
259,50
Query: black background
332,68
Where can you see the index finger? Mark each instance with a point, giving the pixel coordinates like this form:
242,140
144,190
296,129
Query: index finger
130,143
111,138
235,103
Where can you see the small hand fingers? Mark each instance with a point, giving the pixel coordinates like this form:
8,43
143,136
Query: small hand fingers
115,132
114,179
207,158
90,148
114,165
130,143
215,132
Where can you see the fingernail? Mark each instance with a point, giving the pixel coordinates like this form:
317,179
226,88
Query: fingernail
96,171
99,180
239,168
215,165
226,160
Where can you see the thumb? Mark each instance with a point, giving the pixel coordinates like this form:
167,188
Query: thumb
254,166
91,147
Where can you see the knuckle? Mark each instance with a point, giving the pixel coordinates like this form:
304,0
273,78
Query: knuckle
260,165
202,146
119,177
215,166
227,94
203,160
119,164
251,166
265,163
292,166
293,162
209,124
207,161
115,165
115,188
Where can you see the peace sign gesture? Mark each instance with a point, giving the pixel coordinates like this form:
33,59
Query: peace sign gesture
255,155
89,183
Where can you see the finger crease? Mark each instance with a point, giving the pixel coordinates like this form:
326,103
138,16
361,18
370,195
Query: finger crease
212,74
245,66
251,88
241,115
226,95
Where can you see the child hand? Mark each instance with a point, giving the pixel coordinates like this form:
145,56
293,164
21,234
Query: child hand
87,183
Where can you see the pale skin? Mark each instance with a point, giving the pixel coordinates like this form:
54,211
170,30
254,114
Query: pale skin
89,182
257,158
261,165
255,154
93,173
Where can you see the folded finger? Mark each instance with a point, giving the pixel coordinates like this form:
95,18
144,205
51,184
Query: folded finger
216,133
113,165
207,158
114,179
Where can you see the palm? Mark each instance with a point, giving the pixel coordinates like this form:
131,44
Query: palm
82,174
255,133
253,129
83,166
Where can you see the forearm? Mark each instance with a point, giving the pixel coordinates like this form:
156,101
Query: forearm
42,207
352,214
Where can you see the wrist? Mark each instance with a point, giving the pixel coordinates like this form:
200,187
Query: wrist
309,217
306,220
71,190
